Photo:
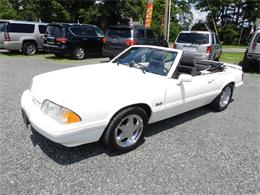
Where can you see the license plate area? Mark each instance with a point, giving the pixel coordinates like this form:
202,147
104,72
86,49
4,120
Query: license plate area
190,49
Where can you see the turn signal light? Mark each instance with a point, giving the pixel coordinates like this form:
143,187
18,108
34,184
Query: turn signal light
7,36
254,45
174,46
62,40
209,49
72,117
130,42
104,40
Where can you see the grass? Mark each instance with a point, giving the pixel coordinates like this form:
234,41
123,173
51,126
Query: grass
235,58
234,46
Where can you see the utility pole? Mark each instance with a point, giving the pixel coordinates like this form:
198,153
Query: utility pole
166,18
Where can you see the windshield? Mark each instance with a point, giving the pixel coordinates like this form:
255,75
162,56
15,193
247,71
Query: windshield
193,38
119,32
55,31
156,61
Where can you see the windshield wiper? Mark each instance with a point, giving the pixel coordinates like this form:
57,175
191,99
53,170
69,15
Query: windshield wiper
137,65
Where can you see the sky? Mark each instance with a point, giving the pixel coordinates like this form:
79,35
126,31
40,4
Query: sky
198,15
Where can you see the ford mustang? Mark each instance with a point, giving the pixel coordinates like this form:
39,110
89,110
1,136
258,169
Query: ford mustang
114,102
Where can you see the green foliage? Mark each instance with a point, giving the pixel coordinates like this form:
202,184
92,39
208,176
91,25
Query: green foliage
102,13
230,16
6,10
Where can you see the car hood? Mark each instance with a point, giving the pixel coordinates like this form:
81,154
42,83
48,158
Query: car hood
102,84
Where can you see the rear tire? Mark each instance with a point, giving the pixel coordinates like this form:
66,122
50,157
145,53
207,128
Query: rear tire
126,129
29,48
221,102
79,53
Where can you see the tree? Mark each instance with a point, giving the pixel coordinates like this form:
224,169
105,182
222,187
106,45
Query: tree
6,10
230,16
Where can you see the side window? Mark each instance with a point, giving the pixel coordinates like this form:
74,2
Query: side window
20,28
149,34
76,30
217,40
42,28
90,32
213,39
99,32
139,33
258,40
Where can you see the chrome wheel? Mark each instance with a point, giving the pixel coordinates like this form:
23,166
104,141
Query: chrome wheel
80,53
225,97
29,48
129,130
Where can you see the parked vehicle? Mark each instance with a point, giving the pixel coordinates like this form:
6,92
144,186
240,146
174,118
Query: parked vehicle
21,36
115,101
118,38
198,45
252,55
76,40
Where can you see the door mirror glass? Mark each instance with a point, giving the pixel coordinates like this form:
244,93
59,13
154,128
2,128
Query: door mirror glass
184,78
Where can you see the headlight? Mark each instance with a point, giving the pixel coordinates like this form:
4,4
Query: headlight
59,113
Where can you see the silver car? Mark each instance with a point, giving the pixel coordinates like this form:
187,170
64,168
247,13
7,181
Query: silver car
22,36
198,45
252,54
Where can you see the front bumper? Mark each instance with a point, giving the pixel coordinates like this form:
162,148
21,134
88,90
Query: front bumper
68,135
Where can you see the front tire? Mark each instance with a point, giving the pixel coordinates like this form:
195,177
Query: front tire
125,131
221,102
79,53
29,48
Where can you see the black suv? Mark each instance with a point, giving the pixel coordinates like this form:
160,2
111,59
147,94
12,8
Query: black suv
118,38
77,40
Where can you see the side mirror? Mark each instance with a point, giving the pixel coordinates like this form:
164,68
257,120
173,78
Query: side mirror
184,78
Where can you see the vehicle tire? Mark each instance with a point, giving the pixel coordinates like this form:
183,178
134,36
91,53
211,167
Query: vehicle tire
245,65
125,130
59,55
221,102
79,53
29,48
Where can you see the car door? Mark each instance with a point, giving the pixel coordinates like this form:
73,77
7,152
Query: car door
201,90
93,42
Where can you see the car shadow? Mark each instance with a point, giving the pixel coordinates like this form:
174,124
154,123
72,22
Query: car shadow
69,155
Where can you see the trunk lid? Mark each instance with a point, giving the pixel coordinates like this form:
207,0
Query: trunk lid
52,33
117,38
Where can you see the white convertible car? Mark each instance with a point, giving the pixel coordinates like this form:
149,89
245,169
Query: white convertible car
115,101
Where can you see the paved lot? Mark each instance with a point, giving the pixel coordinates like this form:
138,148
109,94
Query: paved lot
199,152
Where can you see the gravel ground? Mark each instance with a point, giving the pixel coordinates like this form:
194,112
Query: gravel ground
199,152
